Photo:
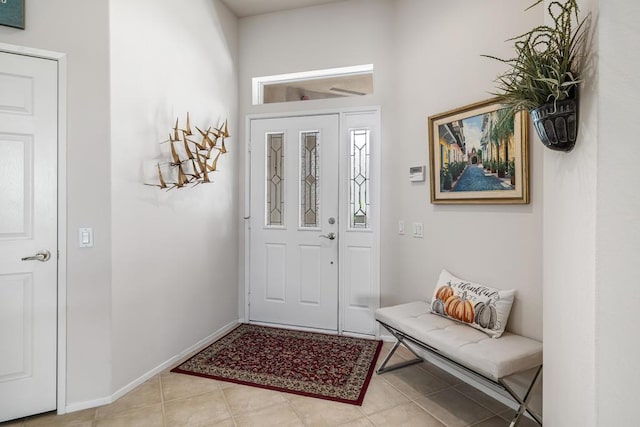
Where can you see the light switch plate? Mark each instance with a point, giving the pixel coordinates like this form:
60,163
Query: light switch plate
401,227
418,230
85,237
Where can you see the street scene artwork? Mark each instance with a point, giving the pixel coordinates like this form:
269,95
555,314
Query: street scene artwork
478,154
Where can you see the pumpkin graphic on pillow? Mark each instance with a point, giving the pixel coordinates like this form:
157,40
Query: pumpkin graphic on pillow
479,306
460,308
487,315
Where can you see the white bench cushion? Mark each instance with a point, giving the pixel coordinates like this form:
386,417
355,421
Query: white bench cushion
493,357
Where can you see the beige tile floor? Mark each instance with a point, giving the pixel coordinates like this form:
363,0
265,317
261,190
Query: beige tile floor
419,395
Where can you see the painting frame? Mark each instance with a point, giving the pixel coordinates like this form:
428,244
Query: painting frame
459,174
12,14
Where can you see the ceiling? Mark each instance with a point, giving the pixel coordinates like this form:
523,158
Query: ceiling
243,8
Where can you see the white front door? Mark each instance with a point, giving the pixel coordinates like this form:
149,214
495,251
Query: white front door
294,221
28,227
359,231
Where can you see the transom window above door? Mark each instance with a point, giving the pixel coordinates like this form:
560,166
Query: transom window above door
318,84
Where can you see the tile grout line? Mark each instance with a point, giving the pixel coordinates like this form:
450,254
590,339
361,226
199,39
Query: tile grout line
449,387
294,411
410,400
164,418
482,420
479,403
198,394
429,412
414,401
226,402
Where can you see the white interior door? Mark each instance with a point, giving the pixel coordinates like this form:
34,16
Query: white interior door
294,221
28,227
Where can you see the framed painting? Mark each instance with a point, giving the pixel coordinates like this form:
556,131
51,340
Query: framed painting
479,155
12,13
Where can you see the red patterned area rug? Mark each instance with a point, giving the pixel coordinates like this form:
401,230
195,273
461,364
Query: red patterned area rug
325,366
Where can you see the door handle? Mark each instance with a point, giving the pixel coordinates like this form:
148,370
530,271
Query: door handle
330,236
42,256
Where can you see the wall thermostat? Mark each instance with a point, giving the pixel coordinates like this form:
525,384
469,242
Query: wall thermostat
416,173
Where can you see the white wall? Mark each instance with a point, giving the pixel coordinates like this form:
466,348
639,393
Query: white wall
166,60
427,60
569,248
80,29
175,256
438,67
617,214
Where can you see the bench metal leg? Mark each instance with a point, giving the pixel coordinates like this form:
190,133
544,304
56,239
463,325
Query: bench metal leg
524,402
497,385
383,366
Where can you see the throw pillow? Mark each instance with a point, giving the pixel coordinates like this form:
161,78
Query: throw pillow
482,307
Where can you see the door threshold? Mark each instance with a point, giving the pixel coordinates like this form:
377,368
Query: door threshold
295,327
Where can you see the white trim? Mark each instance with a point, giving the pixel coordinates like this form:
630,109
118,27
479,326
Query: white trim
62,234
386,337
203,343
29,51
304,113
243,288
356,335
257,83
80,406
61,58
341,112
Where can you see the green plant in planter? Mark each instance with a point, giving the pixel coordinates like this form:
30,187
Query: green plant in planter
456,169
502,169
544,75
445,178
511,169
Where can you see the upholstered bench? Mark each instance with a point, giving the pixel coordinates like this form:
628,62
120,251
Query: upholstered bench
479,356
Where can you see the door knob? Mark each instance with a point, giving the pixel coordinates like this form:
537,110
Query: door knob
42,256
330,236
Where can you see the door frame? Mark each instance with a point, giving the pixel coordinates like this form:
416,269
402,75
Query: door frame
245,285
61,352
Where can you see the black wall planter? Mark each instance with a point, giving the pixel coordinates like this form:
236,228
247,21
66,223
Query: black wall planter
557,124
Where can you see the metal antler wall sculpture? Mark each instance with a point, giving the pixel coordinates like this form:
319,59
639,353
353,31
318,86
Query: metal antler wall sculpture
192,162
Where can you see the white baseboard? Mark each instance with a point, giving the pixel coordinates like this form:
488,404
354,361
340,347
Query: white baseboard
79,406
387,338
359,335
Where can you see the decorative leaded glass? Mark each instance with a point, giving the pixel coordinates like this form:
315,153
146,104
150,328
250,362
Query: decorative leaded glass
359,199
309,179
275,179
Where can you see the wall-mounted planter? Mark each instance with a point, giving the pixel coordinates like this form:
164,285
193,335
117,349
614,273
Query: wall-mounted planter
557,124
